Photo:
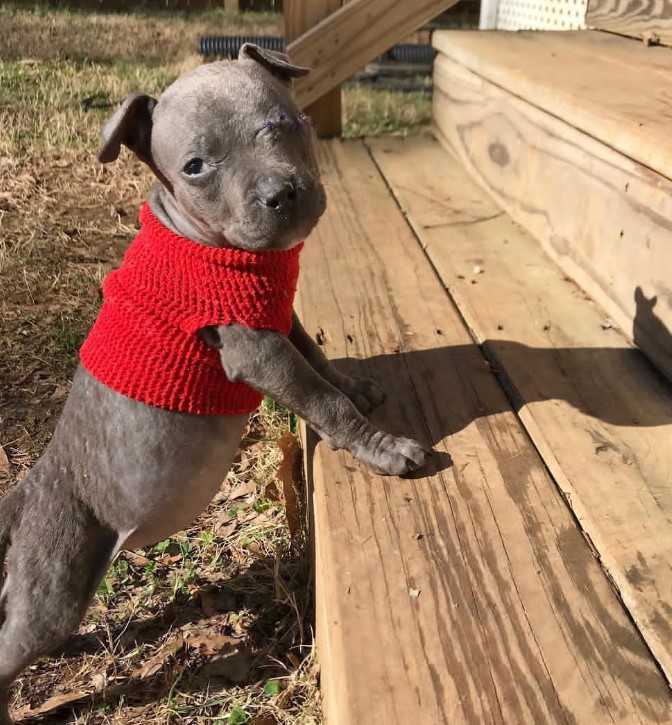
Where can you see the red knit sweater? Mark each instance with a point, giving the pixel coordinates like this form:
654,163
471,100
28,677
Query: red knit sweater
144,343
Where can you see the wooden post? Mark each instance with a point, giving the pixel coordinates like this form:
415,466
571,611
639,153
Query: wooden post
301,15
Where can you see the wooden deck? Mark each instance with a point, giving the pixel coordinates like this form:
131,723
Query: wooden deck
525,576
563,133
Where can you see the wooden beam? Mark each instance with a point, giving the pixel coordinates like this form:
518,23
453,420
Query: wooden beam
300,16
352,37
590,80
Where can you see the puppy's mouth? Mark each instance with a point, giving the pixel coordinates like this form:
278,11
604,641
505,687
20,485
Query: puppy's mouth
262,228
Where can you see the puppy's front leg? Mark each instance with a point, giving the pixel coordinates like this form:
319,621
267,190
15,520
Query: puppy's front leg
268,362
365,393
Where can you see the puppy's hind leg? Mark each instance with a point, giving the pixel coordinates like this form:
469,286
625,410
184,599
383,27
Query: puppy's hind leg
57,556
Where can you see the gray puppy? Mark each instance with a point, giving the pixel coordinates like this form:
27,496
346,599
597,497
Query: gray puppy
120,473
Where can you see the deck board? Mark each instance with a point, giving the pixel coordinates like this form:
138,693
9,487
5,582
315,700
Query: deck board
640,18
604,218
514,620
595,409
613,89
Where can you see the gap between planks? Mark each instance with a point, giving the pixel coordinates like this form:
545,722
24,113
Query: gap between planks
514,620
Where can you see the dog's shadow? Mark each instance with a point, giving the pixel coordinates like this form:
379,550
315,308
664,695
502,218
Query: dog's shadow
251,659
433,394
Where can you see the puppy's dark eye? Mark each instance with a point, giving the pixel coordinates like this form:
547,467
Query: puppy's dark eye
194,167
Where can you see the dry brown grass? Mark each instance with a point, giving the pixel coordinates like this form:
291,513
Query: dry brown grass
112,38
213,625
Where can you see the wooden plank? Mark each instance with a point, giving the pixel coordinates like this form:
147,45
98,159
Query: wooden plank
469,595
352,37
591,80
299,16
639,18
605,219
593,407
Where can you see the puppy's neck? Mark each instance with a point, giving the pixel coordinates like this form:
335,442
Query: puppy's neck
163,207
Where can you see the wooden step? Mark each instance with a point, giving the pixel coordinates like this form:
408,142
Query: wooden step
468,595
569,133
598,414
648,21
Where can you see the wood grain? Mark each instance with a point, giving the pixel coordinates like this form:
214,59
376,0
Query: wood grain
605,219
467,596
639,18
614,89
352,37
600,417
300,16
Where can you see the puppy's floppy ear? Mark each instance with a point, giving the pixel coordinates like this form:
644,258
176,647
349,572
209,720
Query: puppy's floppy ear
279,64
131,126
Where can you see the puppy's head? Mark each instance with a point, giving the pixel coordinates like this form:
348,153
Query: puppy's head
230,146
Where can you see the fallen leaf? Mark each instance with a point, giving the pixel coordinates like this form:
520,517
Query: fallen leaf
52,704
60,393
98,681
244,489
294,660
136,559
216,644
271,492
289,473
156,662
225,526
4,461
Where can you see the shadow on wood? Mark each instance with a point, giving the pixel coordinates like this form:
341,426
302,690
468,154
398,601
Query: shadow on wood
649,331
446,371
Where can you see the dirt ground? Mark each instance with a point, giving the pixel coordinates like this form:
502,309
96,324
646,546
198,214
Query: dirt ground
215,624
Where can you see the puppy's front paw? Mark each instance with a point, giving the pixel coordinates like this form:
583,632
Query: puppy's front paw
365,393
391,456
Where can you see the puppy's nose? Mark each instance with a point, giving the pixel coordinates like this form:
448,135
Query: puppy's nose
275,192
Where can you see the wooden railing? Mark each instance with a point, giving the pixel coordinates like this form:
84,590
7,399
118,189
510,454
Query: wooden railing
345,40
300,16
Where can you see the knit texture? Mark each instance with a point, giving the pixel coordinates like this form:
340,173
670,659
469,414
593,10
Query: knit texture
144,342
